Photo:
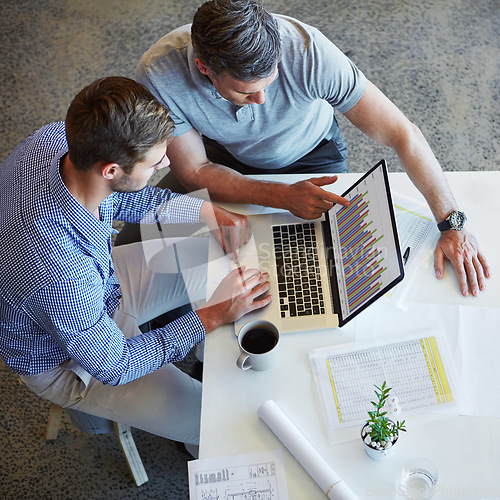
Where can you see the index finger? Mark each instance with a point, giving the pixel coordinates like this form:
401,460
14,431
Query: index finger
327,195
324,200
335,198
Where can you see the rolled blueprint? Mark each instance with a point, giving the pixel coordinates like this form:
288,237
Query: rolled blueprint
307,456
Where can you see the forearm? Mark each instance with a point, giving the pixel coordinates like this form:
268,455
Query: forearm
227,185
152,204
211,317
194,171
380,119
425,172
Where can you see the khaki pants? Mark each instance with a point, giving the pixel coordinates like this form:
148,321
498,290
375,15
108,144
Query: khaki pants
155,277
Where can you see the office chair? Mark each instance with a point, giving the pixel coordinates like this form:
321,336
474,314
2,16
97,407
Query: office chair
97,425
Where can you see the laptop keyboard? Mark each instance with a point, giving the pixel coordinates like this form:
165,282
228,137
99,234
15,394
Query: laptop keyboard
297,263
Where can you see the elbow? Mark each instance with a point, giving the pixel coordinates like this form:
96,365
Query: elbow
113,381
415,132
189,177
408,138
189,184
112,377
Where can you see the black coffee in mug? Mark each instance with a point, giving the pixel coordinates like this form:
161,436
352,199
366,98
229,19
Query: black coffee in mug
259,340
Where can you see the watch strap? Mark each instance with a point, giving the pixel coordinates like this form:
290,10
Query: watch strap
444,226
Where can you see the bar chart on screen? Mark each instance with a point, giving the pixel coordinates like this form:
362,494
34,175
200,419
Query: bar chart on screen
363,260
365,248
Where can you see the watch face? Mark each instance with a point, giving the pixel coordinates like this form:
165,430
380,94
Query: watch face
457,220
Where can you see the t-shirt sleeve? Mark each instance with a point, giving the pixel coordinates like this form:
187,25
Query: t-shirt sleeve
329,74
155,79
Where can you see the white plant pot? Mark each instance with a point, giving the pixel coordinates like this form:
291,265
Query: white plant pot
378,453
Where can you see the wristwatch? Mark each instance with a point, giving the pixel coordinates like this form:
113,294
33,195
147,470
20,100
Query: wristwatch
456,220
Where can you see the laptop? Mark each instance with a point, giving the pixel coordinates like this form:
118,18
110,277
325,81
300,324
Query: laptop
323,273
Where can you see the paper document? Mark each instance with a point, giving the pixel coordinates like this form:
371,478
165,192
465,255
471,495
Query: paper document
416,236
239,477
418,370
413,230
220,265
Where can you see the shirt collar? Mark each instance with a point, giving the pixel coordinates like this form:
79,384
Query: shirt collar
87,225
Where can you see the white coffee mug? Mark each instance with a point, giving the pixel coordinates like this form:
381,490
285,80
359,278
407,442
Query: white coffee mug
258,341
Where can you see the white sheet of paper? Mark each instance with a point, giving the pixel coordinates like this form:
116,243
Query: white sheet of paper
418,369
250,475
473,344
416,232
221,265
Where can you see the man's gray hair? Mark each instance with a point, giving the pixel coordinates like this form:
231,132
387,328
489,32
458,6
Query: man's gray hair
237,37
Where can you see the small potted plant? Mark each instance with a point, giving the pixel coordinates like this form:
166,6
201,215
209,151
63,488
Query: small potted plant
380,433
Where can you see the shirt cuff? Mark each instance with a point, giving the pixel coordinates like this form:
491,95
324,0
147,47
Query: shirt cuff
193,332
182,209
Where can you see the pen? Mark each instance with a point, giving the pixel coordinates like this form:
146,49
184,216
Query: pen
406,255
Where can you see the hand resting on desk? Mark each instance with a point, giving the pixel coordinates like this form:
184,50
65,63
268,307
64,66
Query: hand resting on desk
462,250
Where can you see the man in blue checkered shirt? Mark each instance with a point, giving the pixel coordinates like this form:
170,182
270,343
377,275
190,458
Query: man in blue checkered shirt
69,309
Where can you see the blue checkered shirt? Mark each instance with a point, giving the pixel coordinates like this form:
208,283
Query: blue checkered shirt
58,288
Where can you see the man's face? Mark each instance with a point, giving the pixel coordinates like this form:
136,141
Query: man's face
156,159
242,93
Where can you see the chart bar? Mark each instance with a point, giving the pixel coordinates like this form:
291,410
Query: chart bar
361,257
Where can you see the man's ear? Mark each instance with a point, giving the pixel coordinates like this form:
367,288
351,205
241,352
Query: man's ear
201,67
110,170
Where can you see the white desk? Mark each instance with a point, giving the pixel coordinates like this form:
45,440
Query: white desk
466,449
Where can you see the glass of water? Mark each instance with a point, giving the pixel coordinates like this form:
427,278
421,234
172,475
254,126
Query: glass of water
418,479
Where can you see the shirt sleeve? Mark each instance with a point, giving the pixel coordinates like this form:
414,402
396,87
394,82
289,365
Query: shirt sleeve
156,77
153,204
74,314
141,76
327,73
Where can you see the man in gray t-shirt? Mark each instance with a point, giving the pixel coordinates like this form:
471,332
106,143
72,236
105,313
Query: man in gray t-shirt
252,92
297,108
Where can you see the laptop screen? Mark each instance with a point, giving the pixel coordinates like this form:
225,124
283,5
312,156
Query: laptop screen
364,255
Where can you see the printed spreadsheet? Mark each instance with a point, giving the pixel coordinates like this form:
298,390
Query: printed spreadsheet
415,369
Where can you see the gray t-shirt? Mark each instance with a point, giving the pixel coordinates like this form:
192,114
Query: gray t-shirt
314,78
